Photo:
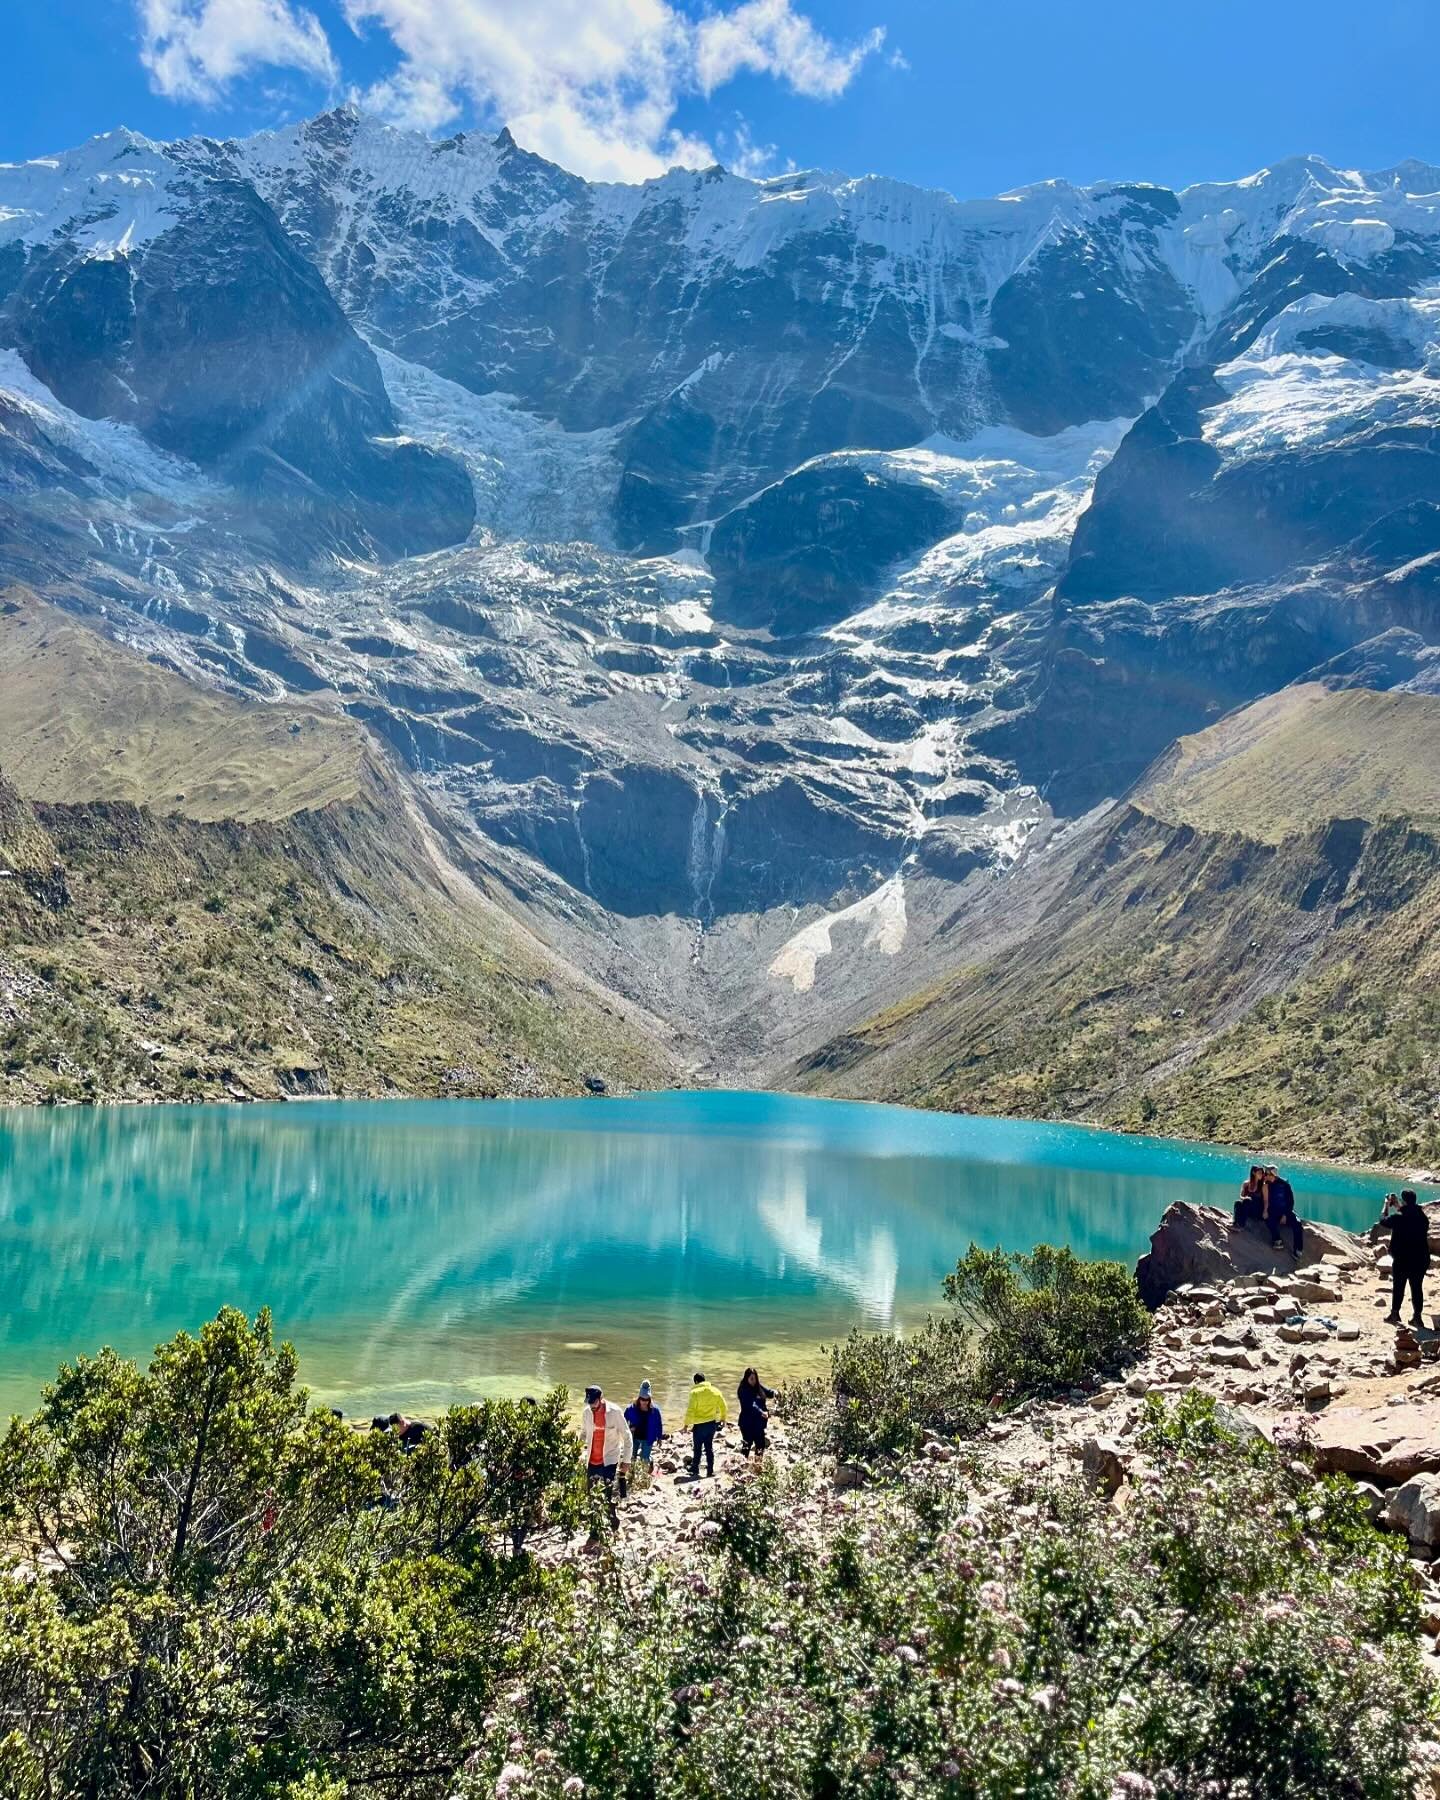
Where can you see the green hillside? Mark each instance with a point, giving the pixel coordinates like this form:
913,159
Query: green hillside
1248,950
204,899
1301,757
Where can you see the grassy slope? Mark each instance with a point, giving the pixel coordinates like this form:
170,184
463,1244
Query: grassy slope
1229,956
1300,758
314,940
80,719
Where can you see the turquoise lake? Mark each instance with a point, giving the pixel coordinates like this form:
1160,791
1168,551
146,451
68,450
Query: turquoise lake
420,1252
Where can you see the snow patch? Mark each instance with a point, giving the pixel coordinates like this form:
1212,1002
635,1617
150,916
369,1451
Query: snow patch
110,195
120,456
1283,396
881,912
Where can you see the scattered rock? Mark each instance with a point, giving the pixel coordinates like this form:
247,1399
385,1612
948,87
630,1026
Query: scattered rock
1406,1354
1374,1443
1101,1465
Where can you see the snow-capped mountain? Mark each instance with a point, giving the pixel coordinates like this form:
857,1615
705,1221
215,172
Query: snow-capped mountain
741,566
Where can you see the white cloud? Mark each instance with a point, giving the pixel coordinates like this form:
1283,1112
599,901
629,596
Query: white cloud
194,49
593,84
767,38
745,157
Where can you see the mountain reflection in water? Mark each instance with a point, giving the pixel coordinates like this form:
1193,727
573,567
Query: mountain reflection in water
423,1252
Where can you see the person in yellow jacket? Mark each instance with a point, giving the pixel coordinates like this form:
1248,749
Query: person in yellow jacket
704,1416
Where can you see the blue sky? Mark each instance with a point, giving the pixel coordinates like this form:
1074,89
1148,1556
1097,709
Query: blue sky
949,93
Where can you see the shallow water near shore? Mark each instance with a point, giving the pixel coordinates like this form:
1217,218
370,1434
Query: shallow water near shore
423,1252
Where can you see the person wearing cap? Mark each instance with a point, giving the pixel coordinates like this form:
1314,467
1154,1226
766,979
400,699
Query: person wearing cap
704,1415
643,1417
606,1437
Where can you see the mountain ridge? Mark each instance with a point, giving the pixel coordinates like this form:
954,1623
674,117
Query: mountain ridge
747,577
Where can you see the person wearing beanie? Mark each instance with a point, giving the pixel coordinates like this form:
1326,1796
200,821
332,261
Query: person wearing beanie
646,1428
704,1416
607,1441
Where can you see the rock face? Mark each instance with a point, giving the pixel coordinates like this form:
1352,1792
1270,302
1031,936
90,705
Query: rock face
1199,1245
1415,1510
30,869
1101,1464
219,342
794,557
737,328
1380,1443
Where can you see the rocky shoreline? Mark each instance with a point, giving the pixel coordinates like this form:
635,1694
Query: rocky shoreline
1293,1348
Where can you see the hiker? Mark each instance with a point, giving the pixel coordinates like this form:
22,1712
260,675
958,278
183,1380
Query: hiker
754,1416
1280,1208
410,1432
607,1444
704,1415
1409,1256
646,1428
1251,1204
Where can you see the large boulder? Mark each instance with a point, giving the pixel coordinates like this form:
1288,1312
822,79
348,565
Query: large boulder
1415,1510
1383,1444
1101,1465
1200,1244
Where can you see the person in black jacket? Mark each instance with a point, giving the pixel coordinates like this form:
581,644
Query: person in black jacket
1280,1210
1409,1256
754,1414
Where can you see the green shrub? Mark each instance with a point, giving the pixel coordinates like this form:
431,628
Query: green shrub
1024,1325
209,1589
504,1468
1047,1320
1237,1629
890,1392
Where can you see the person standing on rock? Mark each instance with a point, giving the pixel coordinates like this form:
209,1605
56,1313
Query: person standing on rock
1409,1256
754,1414
704,1415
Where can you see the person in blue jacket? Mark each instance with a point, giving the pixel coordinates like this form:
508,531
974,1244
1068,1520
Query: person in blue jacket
643,1417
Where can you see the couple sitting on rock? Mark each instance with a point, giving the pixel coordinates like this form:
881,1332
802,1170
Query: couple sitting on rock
1269,1197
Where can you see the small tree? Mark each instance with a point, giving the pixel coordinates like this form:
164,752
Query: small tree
504,1467
891,1391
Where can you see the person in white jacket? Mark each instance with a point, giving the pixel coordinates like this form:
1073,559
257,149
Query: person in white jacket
608,1444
